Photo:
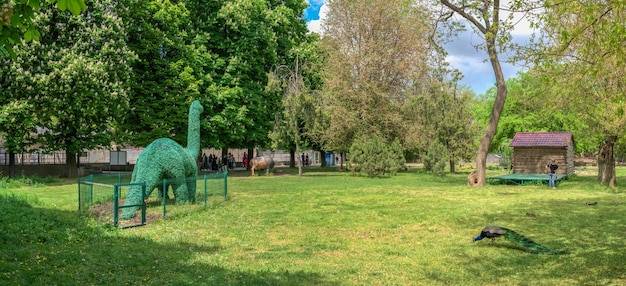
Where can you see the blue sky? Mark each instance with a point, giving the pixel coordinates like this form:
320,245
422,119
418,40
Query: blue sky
313,11
462,55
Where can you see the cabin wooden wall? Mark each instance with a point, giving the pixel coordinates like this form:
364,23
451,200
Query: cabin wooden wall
533,160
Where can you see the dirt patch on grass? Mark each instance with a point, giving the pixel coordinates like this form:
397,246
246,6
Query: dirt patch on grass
103,212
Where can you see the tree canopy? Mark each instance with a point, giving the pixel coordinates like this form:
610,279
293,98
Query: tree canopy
17,20
378,52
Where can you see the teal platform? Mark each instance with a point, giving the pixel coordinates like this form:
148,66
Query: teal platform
524,179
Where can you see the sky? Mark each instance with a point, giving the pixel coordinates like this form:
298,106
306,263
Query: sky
477,72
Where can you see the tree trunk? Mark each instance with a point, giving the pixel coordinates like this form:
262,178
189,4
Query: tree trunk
322,158
498,105
606,161
292,158
296,134
224,166
342,157
299,159
11,165
452,169
250,156
72,164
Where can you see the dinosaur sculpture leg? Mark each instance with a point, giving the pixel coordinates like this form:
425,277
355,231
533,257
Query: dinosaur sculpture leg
163,192
191,189
184,175
180,190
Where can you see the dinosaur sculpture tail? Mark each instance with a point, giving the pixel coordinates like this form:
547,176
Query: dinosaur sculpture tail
528,243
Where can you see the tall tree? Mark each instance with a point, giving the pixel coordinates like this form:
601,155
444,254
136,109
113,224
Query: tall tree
171,71
378,50
248,39
454,125
76,77
485,18
300,84
17,123
288,122
443,116
584,42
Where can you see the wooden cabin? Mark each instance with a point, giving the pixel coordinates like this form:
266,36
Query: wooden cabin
532,151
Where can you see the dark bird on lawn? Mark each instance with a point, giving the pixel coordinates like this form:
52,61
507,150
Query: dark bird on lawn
492,232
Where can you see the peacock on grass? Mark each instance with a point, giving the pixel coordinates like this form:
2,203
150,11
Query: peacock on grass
492,232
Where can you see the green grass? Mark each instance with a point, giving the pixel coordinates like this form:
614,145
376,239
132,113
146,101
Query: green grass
324,228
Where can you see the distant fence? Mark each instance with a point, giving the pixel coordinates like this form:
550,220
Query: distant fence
57,158
108,187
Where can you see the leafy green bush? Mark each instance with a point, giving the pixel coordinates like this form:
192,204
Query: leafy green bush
24,181
436,158
374,157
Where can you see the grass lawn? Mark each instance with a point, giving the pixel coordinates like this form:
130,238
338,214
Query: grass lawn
325,228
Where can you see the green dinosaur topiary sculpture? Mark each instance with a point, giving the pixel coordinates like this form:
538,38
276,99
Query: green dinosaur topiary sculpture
166,159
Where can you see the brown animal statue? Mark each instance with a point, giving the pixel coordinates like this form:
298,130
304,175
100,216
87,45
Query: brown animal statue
263,162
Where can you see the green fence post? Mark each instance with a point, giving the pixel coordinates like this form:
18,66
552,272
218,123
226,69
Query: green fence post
115,205
225,184
143,203
91,189
205,191
79,193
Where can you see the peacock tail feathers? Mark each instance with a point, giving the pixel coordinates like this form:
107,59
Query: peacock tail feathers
527,243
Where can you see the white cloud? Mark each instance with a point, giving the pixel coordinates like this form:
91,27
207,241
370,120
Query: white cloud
316,25
520,21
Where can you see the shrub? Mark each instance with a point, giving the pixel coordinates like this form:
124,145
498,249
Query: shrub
24,181
372,156
436,158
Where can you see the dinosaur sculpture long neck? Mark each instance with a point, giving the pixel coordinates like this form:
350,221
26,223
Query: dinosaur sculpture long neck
193,132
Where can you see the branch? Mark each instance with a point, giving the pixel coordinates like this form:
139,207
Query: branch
584,29
465,15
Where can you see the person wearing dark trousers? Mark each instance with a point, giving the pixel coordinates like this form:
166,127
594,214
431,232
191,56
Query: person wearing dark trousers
552,166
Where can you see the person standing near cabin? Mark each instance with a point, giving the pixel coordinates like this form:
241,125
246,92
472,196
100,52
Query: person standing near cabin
552,166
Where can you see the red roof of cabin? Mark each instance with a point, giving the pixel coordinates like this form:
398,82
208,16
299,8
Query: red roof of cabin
546,139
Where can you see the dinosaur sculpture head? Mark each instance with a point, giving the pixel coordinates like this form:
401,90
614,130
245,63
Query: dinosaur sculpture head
196,106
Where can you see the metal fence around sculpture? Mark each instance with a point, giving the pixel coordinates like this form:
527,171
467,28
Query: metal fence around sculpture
211,189
98,188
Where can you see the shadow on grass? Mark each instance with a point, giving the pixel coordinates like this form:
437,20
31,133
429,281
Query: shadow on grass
41,246
587,232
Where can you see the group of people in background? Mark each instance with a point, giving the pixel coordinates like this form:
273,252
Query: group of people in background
214,163
210,163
